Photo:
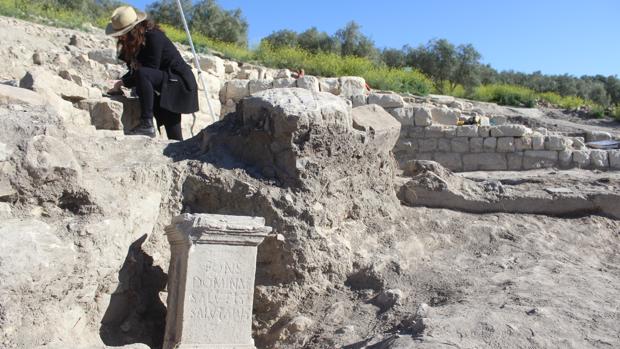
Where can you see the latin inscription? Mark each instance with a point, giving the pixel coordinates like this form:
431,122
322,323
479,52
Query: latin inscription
222,292
221,314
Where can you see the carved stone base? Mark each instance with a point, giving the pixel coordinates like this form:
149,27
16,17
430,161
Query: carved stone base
211,281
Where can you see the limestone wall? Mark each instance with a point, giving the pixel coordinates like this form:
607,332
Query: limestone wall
489,148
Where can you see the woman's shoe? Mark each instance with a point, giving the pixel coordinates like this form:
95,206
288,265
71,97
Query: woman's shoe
145,128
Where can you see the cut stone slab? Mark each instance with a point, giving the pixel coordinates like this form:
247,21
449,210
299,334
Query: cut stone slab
352,86
614,159
12,95
380,126
49,159
331,85
445,116
423,116
259,85
509,131
386,100
212,64
404,115
593,136
309,83
211,280
43,81
485,162
533,159
104,56
236,89
599,159
105,114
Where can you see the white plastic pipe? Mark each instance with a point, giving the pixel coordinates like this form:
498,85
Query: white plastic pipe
196,63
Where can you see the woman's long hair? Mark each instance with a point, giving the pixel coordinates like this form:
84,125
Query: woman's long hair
129,45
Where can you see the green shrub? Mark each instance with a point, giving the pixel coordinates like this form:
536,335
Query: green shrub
615,112
597,111
505,95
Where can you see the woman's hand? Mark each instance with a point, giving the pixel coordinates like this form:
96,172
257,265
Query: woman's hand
116,89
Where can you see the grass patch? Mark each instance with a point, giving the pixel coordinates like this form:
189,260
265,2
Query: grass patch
48,15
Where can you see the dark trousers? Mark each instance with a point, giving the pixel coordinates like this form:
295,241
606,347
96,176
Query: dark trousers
148,84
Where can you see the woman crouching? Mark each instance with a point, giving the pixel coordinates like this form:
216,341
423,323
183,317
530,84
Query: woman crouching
165,84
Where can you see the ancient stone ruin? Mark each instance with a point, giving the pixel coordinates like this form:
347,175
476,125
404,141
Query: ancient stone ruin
211,280
396,220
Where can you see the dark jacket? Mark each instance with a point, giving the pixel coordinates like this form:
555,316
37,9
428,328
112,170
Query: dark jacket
179,91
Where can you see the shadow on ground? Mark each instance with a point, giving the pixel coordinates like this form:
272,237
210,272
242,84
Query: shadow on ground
136,314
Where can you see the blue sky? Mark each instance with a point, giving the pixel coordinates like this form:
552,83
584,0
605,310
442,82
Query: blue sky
553,36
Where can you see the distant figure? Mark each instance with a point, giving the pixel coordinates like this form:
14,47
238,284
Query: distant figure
165,84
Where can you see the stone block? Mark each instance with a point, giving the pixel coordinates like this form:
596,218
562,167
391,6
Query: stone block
581,158
509,131
352,86
16,95
423,156
476,144
593,136
381,128
490,144
565,158
231,67
213,65
506,144
309,83
48,159
417,132
428,144
579,143
105,114
282,74
445,116
423,116
248,73
331,85
460,145
406,145
386,100
614,159
533,159
259,85
538,142
467,131
448,131
523,143
444,145
358,100
451,161
434,131
284,83
484,162
45,83
211,280
404,115
515,161
556,143
599,159
104,56
236,89
484,131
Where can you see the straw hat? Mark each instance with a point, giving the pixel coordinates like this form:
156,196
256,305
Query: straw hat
123,20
